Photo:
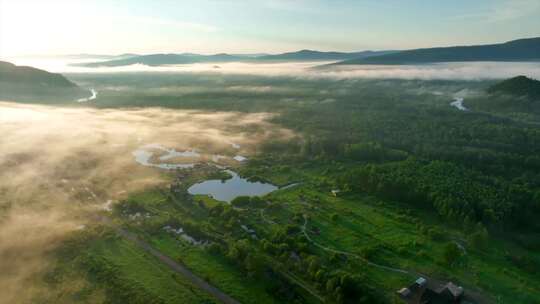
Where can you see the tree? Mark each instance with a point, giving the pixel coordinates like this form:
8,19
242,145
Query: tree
233,253
254,264
451,253
241,201
331,285
479,239
214,248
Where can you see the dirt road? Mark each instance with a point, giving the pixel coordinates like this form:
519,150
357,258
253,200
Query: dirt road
179,268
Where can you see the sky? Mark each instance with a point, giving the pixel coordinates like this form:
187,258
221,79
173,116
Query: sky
39,27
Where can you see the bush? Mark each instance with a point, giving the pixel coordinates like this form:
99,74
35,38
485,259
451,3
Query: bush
479,239
241,201
451,253
247,201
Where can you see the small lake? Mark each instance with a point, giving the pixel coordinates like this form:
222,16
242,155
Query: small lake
229,189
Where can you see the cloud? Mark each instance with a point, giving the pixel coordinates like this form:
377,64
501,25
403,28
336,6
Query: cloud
460,71
59,166
440,71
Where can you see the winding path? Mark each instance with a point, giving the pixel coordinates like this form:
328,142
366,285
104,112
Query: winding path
472,293
173,265
303,228
177,267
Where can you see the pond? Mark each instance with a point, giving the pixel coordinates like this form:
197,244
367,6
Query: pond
227,190
145,154
157,156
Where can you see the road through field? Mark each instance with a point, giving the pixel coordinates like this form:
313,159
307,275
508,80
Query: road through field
179,268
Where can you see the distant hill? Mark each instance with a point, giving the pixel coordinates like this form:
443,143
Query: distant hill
28,83
80,56
518,86
517,50
10,73
310,55
189,58
96,56
515,95
165,59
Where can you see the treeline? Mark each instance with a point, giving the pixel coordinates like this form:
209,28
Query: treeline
287,251
476,140
469,167
456,193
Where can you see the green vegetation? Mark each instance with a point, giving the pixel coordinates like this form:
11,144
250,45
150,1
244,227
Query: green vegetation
518,86
515,98
118,269
423,189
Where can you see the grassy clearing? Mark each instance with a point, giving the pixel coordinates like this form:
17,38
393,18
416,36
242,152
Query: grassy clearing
96,266
214,269
138,269
386,235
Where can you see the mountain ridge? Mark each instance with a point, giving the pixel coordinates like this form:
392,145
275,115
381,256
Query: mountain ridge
159,59
12,73
29,84
165,59
313,55
527,49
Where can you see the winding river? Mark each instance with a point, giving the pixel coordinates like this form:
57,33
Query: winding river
92,97
458,103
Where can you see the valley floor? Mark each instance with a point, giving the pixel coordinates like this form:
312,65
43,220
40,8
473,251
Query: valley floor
302,237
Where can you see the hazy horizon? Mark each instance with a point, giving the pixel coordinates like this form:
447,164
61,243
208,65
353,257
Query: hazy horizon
305,178
59,27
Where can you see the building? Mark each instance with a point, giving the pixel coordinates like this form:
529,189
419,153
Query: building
414,292
447,294
420,293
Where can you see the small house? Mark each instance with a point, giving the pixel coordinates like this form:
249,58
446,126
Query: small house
413,293
420,293
447,294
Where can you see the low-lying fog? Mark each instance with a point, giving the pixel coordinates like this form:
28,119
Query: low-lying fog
457,70
59,166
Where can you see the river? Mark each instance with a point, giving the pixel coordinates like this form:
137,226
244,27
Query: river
458,103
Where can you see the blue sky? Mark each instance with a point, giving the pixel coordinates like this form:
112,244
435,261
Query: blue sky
242,26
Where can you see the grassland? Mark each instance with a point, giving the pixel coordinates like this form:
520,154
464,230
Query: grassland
388,234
